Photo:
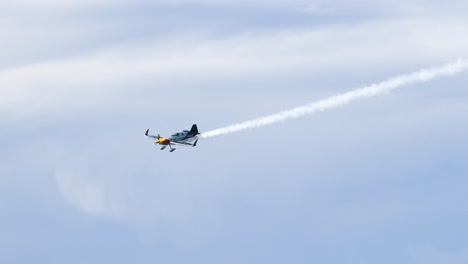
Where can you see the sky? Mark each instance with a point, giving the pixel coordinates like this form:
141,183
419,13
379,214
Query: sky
380,180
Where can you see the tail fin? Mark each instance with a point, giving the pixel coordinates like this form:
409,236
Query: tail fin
194,130
195,143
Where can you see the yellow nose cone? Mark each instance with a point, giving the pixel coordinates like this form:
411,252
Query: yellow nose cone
161,140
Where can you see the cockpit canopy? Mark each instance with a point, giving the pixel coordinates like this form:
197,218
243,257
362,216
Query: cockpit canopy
180,134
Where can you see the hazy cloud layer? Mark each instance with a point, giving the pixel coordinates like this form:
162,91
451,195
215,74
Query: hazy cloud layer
47,85
380,181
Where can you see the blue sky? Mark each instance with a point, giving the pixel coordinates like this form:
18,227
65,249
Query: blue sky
377,181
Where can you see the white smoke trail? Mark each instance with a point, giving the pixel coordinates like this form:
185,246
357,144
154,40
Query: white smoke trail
345,98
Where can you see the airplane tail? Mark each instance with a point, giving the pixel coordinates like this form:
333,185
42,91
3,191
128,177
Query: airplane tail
194,130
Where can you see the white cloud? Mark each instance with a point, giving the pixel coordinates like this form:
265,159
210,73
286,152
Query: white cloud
54,3
117,191
247,189
62,3
32,89
315,6
88,194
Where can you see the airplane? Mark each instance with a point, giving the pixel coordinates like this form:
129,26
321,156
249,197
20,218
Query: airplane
183,138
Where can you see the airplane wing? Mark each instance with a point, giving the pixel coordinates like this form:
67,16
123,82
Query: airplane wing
150,136
183,143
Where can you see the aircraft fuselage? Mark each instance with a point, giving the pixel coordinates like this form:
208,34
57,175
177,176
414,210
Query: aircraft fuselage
184,138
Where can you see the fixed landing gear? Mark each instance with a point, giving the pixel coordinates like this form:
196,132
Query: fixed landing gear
165,146
172,149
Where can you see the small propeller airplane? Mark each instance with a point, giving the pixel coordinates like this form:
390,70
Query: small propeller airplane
183,138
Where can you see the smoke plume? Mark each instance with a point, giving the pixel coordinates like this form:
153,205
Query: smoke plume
424,75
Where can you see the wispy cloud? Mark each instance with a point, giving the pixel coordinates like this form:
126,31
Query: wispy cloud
27,88
80,81
88,194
